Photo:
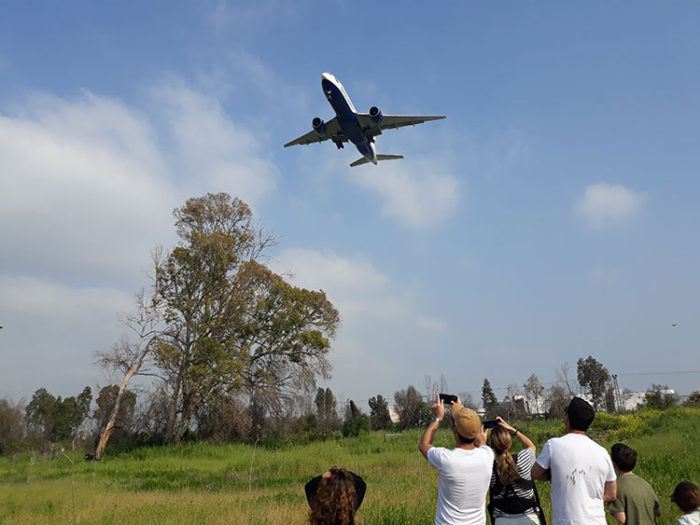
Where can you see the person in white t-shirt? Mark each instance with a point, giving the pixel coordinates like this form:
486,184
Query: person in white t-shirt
582,475
464,471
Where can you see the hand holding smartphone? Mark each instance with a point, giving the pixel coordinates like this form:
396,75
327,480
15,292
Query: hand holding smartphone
448,399
492,423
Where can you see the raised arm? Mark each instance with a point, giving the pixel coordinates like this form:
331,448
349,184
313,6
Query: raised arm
426,441
527,443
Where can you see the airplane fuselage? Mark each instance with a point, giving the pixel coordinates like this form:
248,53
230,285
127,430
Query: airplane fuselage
347,117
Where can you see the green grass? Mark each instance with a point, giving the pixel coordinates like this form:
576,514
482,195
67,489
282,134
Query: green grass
205,483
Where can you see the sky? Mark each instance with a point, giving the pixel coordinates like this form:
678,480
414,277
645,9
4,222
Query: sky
551,216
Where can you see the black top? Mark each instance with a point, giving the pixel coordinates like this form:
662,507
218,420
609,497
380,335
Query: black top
360,487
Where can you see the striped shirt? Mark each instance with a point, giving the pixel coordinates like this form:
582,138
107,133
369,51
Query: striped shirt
525,460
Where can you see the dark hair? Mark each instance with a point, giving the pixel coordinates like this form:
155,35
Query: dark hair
687,496
624,457
334,502
580,413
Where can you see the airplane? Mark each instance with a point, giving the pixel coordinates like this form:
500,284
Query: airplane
350,126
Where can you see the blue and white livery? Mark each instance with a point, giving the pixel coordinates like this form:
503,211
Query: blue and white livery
350,126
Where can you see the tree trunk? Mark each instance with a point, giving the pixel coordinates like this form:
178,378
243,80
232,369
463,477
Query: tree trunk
110,428
170,428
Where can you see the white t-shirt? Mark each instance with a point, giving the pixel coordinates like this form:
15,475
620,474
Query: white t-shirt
580,467
462,484
692,518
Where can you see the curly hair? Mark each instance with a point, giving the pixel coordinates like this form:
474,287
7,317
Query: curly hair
334,503
505,466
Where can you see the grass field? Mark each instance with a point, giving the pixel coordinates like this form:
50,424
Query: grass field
236,483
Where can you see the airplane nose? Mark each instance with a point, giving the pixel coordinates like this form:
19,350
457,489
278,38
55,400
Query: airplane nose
327,76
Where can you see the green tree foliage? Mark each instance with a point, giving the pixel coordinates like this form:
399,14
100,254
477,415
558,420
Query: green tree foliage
379,413
10,426
70,413
106,401
693,399
413,411
56,419
658,396
488,398
223,419
357,425
40,413
232,324
326,408
593,376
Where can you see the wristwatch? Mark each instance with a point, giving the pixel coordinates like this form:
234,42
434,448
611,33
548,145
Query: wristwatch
437,419
514,433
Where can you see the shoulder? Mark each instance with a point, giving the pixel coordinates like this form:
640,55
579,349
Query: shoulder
689,519
485,449
436,455
526,453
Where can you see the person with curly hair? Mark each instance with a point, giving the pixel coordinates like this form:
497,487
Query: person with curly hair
334,497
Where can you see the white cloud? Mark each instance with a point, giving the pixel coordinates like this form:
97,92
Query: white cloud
603,205
87,187
212,148
383,333
51,331
361,292
414,194
82,187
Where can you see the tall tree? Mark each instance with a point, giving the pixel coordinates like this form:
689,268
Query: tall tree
488,397
10,426
41,413
70,414
558,399
55,418
593,376
106,402
231,322
326,408
413,411
130,357
569,384
379,413
534,390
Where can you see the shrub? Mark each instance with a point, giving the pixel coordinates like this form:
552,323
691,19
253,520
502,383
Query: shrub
355,426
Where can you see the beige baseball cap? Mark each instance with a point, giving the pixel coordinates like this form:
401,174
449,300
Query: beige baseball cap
467,421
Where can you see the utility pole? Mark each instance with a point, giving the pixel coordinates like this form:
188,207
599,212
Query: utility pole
618,395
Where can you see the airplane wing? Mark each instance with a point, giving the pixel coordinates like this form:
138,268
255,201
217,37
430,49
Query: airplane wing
332,131
392,122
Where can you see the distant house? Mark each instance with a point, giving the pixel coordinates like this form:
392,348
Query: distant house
393,414
632,400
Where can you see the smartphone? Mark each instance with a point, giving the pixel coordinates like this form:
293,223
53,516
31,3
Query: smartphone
448,399
492,423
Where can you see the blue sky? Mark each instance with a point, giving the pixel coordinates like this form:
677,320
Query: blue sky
553,215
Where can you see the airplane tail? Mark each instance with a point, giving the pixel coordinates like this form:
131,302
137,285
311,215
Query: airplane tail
364,160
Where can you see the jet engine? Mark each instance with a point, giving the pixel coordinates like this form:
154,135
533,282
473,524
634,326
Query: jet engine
318,125
375,114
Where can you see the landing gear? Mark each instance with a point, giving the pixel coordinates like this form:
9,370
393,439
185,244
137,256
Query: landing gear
338,143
